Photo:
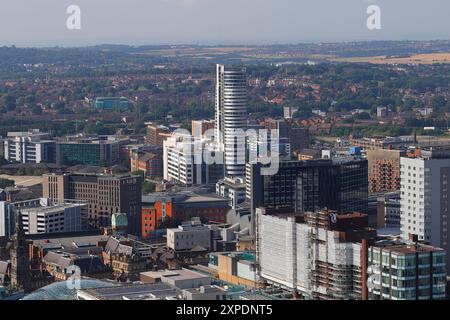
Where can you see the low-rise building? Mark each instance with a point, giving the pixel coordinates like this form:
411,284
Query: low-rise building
237,268
150,164
189,235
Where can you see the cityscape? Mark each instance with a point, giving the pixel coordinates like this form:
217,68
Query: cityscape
234,173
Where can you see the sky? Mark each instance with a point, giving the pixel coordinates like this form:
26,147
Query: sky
210,22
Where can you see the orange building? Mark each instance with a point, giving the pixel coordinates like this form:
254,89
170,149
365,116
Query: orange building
155,209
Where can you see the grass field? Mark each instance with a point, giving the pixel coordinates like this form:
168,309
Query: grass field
429,58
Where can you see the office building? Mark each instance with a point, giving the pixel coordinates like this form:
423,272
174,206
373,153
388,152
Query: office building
49,218
183,162
399,271
339,185
178,206
31,146
156,134
89,150
231,115
108,103
232,189
384,170
43,216
189,235
105,194
424,199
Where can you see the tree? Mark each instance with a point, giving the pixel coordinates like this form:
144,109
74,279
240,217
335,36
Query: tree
9,102
6,183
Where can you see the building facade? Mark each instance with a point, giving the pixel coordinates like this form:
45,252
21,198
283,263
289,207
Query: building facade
232,189
181,165
156,135
92,151
29,147
68,217
406,272
384,170
424,199
150,164
104,195
189,235
231,115
310,185
320,255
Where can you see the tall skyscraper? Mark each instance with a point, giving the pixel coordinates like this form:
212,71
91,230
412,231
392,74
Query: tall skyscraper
231,115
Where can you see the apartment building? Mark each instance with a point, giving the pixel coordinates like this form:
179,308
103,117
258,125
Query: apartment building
384,170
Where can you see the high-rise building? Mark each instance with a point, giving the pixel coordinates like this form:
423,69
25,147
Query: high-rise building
384,170
310,185
231,115
31,146
424,199
105,195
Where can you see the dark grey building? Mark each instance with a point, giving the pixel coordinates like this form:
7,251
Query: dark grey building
311,185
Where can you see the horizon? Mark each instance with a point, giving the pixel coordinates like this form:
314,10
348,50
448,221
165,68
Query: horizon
237,45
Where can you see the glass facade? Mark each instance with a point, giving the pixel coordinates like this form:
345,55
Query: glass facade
313,185
91,154
406,275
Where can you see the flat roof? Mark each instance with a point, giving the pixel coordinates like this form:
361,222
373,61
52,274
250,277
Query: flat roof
71,242
132,290
182,274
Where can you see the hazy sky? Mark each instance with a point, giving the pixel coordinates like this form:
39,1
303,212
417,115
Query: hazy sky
43,22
